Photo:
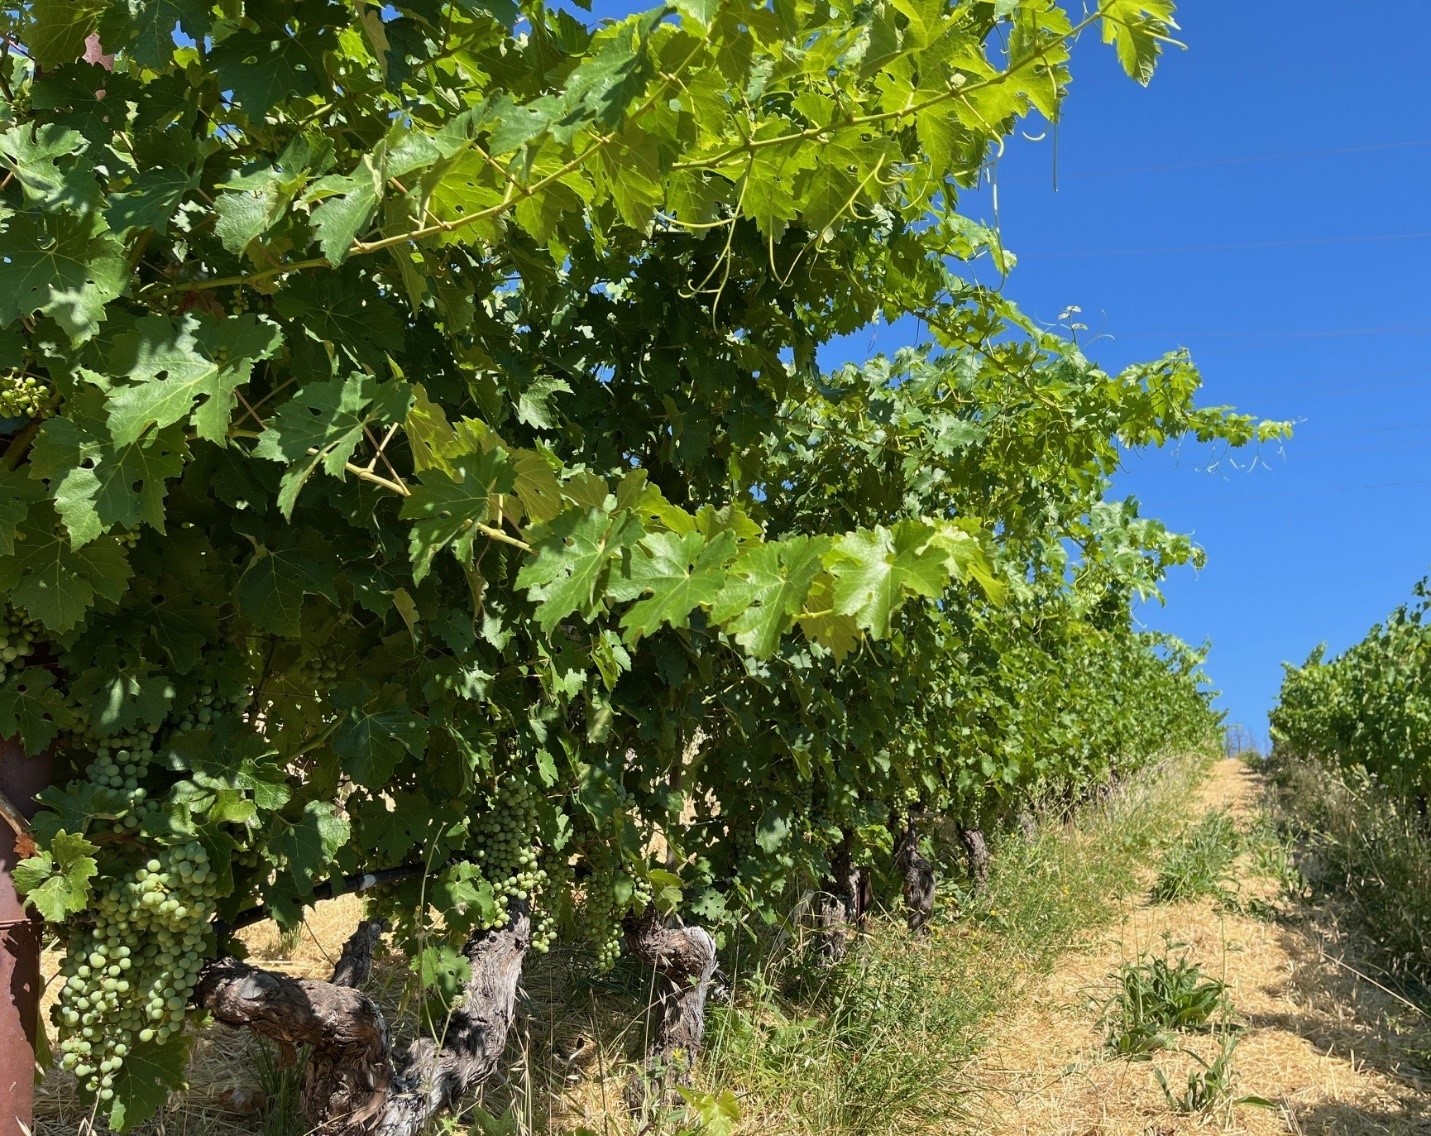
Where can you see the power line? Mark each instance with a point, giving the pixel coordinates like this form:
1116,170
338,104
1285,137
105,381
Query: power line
1358,431
1234,246
1318,390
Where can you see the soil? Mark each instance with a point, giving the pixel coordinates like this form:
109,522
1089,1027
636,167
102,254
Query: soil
1322,1049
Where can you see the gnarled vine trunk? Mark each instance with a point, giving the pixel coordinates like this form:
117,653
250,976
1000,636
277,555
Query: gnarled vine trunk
684,959
844,898
976,851
354,1085
918,875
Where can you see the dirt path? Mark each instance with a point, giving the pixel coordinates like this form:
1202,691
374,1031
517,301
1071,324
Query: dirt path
1327,1049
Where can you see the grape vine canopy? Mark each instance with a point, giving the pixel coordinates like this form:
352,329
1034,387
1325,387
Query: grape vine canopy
418,462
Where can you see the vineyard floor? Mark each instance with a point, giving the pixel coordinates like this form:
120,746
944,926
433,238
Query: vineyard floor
1325,1050
994,1024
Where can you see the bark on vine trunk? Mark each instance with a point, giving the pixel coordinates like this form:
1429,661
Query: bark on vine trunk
844,898
354,1085
976,851
684,959
918,874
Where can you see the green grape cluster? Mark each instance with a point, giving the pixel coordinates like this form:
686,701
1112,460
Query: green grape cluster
247,858
119,764
129,975
207,708
506,840
17,641
319,670
558,881
21,395
603,908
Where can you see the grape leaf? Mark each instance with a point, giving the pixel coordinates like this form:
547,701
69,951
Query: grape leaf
310,843
766,587
55,881
376,733
678,573
186,369
55,583
875,570
264,69
54,31
772,829
345,309
272,588
1138,29
574,556
444,509
823,624
67,266
348,206
17,493
229,756
253,205
321,426
151,28
151,1071
97,485
151,200
29,707
36,156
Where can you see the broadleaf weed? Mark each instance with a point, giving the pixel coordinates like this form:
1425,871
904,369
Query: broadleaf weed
1199,864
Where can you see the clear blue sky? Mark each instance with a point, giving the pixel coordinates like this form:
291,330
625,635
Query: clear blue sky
1264,204
1293,130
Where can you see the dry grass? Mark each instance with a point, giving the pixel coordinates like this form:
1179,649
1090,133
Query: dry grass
1324,1046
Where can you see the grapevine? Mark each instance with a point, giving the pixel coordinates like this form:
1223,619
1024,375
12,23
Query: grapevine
1369,707
457,497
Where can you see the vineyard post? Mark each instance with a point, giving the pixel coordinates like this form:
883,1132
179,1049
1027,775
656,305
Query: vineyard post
21,778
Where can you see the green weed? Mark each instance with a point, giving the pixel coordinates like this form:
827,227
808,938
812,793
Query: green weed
280,1076
1274,855
1207,1087
1199,864
1366,848
1156,996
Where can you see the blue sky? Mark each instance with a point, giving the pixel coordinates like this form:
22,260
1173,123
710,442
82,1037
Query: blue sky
1268,154
1262,203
